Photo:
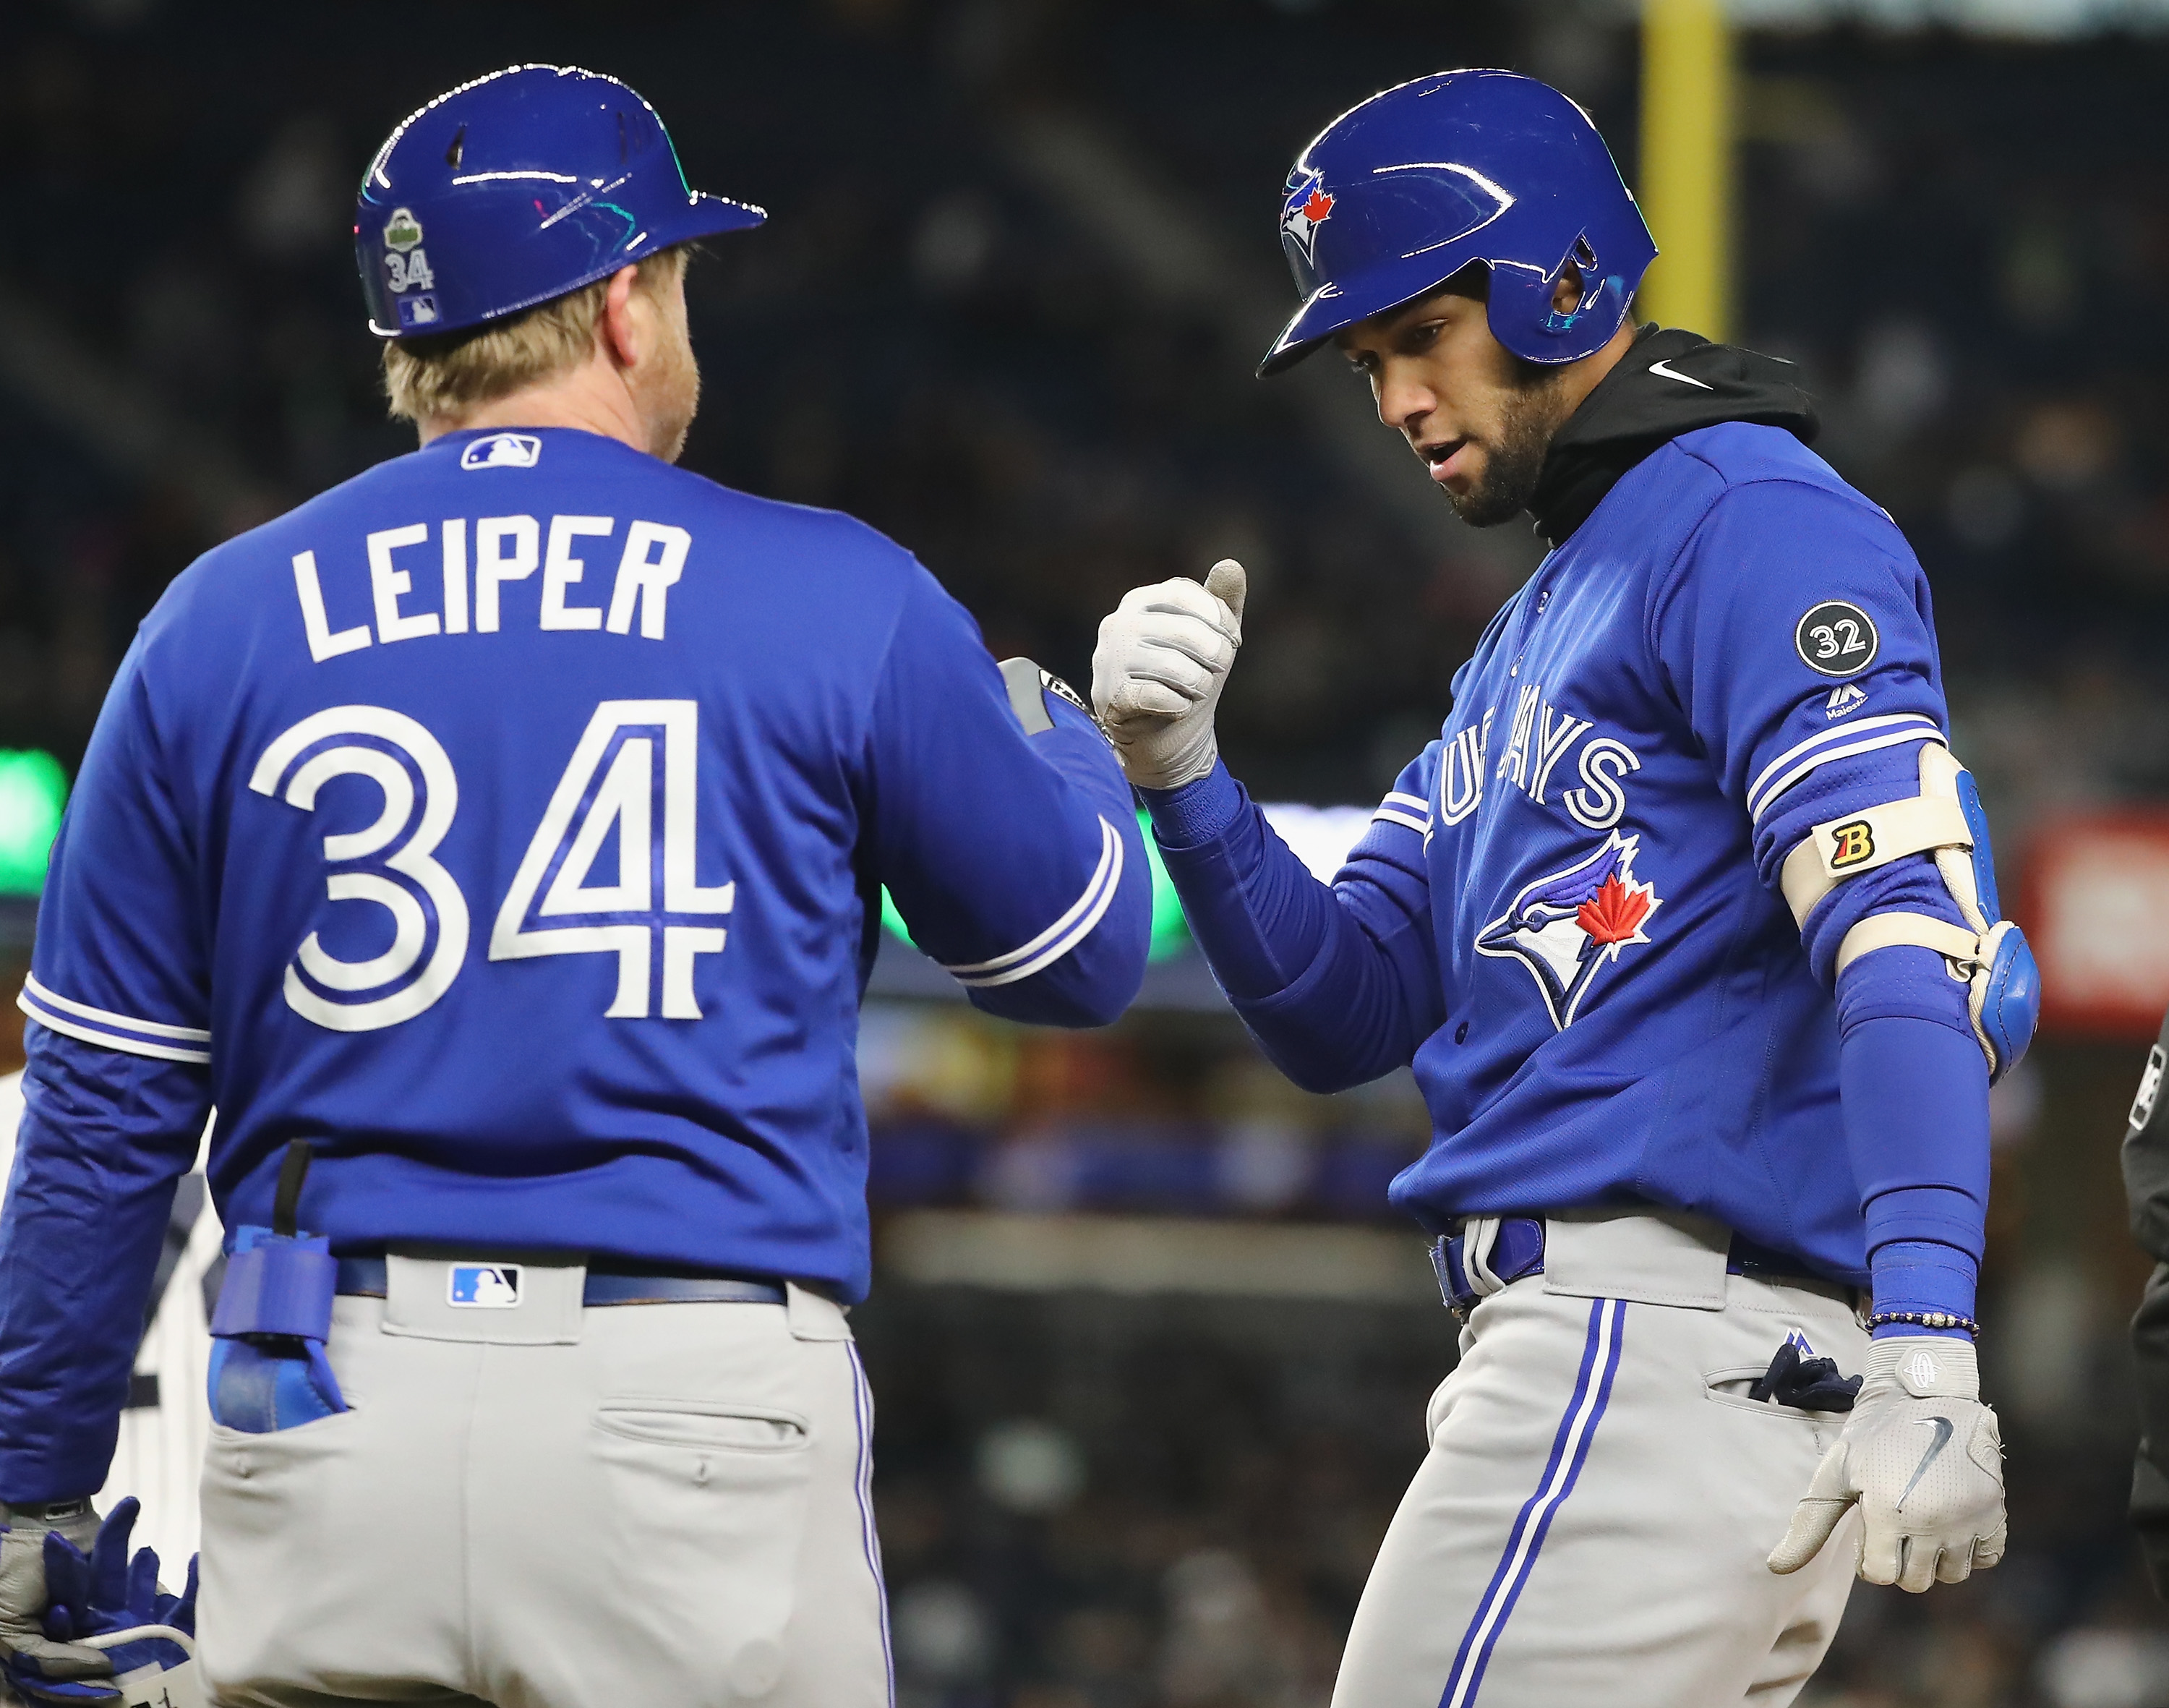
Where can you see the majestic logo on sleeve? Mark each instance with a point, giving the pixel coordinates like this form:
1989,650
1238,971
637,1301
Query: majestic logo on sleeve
1568,924
1308,208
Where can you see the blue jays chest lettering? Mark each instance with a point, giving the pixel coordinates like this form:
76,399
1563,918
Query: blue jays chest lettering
1573,917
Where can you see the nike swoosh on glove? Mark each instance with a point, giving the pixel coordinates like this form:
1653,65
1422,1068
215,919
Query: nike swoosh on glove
1921,1458
30,1655
1163,657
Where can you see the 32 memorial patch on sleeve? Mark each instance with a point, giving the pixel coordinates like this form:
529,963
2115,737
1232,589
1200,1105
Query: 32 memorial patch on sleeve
1836,639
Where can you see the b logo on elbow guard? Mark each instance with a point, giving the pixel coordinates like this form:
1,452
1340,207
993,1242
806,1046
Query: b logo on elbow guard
1851,844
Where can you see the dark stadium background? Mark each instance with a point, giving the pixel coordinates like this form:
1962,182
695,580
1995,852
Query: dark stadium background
1151,1354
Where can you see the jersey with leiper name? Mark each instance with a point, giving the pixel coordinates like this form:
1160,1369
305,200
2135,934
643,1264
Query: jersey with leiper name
1572,895
509,823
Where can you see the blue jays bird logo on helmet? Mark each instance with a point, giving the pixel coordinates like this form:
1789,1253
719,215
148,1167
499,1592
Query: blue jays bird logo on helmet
1308,207
1566,925
1459,168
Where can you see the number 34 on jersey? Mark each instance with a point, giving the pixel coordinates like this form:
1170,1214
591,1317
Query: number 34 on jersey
632,772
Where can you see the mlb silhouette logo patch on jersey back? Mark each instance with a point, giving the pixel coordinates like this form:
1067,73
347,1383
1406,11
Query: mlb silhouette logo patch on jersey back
483,1286
503,451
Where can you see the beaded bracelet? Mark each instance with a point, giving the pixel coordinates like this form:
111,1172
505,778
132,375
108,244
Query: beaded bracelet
1925,1319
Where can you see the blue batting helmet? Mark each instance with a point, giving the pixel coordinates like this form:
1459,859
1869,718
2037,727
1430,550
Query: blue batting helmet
517,188
1397,195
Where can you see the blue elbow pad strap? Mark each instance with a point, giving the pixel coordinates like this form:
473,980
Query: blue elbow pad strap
1945,821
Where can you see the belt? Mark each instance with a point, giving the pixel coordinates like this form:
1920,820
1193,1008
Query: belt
1518,1251
364,1277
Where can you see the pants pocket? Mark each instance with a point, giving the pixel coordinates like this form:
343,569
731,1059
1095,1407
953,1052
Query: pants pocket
699,1426
707,1517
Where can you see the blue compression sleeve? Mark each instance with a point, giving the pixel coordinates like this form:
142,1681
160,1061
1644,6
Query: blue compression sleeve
1338,983
1914,1090
104,1138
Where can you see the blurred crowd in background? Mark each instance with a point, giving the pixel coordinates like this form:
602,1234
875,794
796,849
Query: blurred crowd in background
1020,263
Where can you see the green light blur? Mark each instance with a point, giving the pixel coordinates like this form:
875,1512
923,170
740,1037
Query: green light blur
33,790
1170,931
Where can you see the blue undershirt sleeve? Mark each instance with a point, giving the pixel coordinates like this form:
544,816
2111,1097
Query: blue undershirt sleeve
1914,1087
103,1139
1338,983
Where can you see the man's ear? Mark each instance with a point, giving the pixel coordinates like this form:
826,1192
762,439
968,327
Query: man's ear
621,336
1566,294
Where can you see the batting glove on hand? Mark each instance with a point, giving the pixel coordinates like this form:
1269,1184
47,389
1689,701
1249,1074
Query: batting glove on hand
1158,671
111,1604
33,1657
1922,1457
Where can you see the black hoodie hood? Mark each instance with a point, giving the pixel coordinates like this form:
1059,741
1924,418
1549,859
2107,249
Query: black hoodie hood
1669,383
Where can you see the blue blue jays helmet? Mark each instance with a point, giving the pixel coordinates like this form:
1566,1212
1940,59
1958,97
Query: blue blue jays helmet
517,188
1397,195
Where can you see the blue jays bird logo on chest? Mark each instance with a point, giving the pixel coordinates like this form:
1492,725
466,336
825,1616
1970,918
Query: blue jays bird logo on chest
1567,926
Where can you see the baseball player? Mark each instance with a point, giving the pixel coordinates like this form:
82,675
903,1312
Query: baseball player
497,841
2146,1192
1687,924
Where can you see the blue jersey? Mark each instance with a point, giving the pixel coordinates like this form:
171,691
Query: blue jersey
1566,914
509,824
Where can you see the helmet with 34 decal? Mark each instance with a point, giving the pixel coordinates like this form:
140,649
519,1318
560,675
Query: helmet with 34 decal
516,187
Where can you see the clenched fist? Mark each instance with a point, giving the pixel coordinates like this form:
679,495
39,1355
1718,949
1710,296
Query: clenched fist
1162,657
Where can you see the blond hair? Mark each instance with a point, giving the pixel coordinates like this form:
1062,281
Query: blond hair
455,371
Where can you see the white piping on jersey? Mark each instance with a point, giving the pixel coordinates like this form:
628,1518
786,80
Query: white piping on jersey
1910,726
1411,812
1062,936
90,1024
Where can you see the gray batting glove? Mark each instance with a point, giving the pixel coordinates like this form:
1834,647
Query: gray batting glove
1162,657
24,1647
1921,1457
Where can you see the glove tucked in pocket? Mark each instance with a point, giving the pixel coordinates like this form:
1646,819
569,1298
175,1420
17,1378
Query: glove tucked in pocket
268,1367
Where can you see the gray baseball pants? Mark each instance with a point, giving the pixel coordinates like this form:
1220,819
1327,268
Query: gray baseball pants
657,1506
1591,1524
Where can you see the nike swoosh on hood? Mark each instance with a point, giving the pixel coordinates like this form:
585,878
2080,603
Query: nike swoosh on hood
1632,411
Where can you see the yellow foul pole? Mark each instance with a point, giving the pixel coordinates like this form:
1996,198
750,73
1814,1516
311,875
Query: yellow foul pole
1686,163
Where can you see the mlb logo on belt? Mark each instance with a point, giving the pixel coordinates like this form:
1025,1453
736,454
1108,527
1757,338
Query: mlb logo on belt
503,451
483,1286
